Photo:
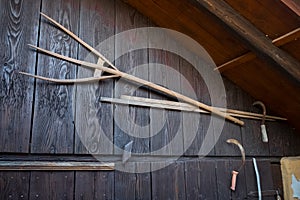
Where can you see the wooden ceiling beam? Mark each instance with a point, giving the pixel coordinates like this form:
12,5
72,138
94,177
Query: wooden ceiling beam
256,40
294,5
280,41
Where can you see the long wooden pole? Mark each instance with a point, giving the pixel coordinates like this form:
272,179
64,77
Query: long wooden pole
142,82
189,107
129,77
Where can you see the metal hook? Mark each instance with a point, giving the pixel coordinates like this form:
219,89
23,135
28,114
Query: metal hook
263,126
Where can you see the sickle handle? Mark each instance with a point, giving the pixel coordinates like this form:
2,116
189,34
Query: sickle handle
264,134
233,180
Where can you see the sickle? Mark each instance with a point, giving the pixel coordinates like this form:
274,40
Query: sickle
263,126
236,172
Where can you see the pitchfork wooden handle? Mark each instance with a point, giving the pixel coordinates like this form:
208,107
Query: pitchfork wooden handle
233,180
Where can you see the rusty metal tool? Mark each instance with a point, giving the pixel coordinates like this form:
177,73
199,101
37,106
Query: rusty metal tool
236,172
263,129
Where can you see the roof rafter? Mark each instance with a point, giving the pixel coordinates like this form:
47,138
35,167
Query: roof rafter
294,5
289,37
257,41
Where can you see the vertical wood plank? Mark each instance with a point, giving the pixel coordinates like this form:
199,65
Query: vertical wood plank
165,124
291,142
53,128
19,26
276,133
200,180
14,185
84,185
230,130
131,123
266,180
194,122
277,177
168,182
251,133
52,185
104,185
132,185
94,185
94,119
223,171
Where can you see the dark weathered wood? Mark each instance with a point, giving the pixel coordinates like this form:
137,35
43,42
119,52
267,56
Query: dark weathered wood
200,180
94,120
291,142
168,183
131,123
251,132
255,39
132,185
276,133
165,124
293,5
19,21
94,185
51,185
53,127
266,181
223,176
192,82
223,172
14,185
44,165
277,177
104,185
230,130
84,185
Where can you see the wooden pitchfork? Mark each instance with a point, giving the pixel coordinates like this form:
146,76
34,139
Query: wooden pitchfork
117,73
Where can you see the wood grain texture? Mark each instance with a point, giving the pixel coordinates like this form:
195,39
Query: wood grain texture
131,123
53,127
97,185
223,171
51,185
168,183
260,12
251,132
265,172
276,133
133,185
19,21
195,126
94,120
273,19
200,180
230,130
165,125
14,185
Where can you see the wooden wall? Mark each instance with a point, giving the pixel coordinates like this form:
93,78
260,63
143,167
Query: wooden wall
40,120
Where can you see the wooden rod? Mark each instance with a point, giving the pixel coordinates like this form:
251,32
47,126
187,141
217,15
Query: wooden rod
189,107
93,50
171,106
54,165
280,41
145,83
65,81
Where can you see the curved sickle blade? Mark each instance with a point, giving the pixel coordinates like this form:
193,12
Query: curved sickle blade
234,141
